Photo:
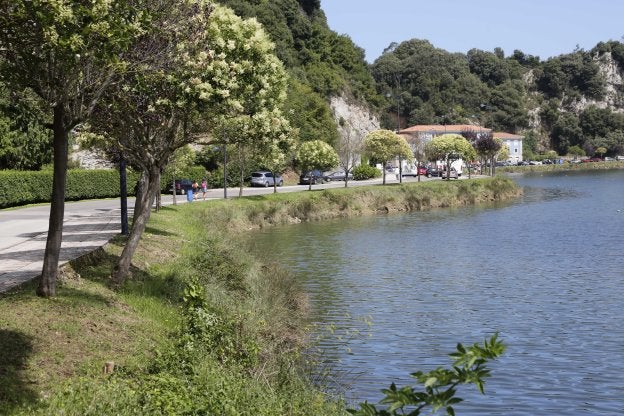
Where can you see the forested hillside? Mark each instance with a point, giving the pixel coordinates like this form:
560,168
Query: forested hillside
573,101
569,103
321,62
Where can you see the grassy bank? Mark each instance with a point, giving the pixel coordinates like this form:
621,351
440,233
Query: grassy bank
203,327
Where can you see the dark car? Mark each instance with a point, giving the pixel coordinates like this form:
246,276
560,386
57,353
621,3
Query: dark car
182,186
338,175
311,177
433,171
266,178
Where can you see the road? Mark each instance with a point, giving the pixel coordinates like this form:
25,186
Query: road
89,225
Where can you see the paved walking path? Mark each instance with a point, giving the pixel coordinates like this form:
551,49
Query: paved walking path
23,234
87,226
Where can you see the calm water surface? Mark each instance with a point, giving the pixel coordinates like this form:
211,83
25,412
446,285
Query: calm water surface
546,272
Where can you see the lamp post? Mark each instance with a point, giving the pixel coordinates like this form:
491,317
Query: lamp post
225,169
388,95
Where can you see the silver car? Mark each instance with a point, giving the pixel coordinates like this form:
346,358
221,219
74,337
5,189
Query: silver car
266,179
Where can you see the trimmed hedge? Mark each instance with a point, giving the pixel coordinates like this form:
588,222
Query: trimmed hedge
29,187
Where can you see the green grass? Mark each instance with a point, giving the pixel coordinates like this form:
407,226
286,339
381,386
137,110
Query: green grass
237,353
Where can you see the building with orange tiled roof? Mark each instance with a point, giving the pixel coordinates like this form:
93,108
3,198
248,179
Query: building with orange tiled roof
432,130
420,134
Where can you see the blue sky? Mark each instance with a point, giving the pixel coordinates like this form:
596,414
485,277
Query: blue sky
537,27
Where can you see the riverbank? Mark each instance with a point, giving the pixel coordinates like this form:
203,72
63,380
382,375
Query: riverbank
203,327
613,164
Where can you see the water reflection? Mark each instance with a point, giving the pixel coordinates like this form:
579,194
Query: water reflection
544,271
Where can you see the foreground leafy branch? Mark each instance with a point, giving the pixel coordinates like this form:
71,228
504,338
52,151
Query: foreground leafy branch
440,385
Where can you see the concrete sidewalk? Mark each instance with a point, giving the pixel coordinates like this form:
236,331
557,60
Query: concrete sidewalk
89,225
23,234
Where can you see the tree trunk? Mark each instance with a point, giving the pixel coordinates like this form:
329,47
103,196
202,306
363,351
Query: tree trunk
47,282
140,192
241,169
142,213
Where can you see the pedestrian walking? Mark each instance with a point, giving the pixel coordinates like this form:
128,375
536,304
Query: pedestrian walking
195,187
204,186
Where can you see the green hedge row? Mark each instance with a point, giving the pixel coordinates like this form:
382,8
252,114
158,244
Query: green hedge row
28,187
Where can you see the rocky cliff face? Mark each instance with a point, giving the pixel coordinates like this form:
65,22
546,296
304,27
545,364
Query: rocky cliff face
353,120
614,97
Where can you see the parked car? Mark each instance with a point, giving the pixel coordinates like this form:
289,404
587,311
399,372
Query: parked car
311,177
453,175
422,171
182,186
619,157
337,175
266,179
433,171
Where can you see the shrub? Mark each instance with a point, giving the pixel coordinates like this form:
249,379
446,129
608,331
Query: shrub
364,171
28,187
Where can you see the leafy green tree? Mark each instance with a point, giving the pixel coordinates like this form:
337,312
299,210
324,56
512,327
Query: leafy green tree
566,132
316,154
449,147
25,141
384,145
508,100
274,150
576,151
68,53
439,386
490,68
198,64
601,151
309,114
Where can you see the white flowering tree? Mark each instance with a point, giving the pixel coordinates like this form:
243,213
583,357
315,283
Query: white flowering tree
274,150
449,147
68,52
198,63
384,145
316,154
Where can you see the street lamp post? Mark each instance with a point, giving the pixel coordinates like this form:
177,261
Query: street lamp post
225,169
397,131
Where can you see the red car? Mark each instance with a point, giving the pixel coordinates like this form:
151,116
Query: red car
422,170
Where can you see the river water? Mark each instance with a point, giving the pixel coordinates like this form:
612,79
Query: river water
546,272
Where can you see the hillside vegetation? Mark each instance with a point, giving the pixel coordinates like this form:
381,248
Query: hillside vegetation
572,103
